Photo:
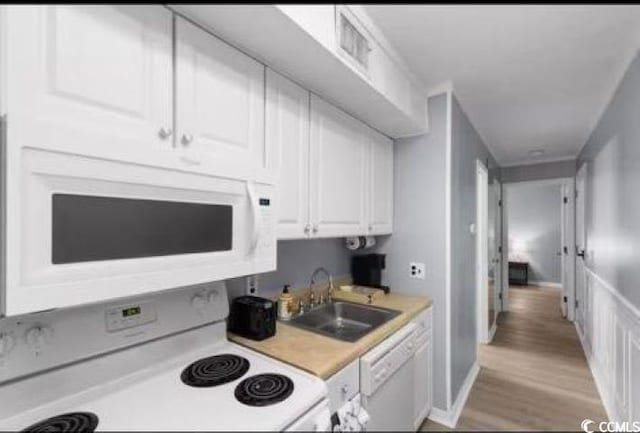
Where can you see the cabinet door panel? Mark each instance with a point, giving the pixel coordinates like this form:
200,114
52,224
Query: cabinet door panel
338,167
91,80
381,173
220,104
287,144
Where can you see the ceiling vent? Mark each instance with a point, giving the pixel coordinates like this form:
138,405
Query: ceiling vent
353,41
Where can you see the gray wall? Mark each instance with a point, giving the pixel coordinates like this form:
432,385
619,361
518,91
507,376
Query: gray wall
466,148
296,261
534,217
613,188
419,221
549,170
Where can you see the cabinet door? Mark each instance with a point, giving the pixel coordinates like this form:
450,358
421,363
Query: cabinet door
91,80
220,105
381,174
287,144
338,167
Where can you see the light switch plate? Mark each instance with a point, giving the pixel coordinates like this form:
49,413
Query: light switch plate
417,270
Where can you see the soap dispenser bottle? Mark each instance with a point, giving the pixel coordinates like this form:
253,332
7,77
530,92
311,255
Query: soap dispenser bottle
285,304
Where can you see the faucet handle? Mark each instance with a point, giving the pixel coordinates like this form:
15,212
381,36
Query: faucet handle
312,299
330,293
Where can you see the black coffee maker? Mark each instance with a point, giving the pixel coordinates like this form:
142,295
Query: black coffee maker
366,270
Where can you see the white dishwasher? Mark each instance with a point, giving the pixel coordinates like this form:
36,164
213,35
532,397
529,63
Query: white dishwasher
387,382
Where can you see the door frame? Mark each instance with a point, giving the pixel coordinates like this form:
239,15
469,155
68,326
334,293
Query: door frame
482,265
580,302
568,230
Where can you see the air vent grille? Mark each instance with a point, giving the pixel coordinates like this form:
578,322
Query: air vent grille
354,43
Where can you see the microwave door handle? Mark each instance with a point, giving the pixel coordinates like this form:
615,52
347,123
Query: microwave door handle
255,236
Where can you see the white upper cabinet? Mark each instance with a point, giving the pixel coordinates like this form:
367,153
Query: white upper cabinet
287,143
219,104
380,215
92,80
338,168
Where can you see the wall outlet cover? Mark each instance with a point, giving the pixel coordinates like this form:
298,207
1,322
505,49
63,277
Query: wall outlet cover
417,270
252,285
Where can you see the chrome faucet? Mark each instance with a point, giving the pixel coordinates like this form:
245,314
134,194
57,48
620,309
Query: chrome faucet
312,296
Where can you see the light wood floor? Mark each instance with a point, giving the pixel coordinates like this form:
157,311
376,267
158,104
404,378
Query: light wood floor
533,375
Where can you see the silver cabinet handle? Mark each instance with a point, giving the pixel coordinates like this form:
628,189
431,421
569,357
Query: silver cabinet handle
165,133
186,139
370,227
315,228
307,229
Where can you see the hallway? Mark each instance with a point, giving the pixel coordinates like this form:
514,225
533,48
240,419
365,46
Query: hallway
534,375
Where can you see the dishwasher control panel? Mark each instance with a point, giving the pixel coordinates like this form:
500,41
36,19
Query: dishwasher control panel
377,365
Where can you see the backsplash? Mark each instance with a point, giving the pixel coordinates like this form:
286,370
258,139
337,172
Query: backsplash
296,261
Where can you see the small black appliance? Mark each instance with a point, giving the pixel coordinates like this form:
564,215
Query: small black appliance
252,317
366,270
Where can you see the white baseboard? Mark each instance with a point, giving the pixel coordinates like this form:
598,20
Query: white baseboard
492,331
450,417
545,284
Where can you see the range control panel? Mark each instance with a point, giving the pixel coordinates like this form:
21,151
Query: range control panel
130,315
36,342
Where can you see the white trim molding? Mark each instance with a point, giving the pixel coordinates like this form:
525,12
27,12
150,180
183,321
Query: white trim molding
535,161
545,284
610,337
450,418
447,246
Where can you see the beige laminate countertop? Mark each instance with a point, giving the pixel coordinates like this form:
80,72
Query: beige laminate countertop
325,356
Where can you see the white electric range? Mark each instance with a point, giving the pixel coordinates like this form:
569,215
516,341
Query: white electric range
153,363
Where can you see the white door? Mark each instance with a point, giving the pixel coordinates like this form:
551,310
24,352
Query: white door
493,254
498,247
91,80
338,167
287,143
219,105
504,305
563,243
567,250
581,248
381,175
484,298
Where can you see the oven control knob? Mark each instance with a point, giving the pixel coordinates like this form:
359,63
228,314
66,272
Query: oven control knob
6,344
199,302
38,337
214,296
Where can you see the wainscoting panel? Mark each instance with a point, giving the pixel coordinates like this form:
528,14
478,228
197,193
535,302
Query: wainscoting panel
610,336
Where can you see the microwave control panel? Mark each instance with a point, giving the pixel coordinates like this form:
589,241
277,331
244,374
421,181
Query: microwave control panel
267,213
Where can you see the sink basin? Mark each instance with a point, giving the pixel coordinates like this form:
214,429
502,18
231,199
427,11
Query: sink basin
343,320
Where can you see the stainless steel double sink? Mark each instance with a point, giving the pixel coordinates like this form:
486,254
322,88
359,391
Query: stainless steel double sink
346,321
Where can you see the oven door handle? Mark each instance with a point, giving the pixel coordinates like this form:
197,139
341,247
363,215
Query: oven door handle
255,234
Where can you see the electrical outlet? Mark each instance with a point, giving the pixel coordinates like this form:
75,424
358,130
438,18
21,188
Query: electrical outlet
252,284
417,270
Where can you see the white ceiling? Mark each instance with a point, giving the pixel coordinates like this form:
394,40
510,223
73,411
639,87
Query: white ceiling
528,76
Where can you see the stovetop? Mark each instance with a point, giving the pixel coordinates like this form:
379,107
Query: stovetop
156,398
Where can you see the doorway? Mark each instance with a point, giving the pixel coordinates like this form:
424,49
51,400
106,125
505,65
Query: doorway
539,226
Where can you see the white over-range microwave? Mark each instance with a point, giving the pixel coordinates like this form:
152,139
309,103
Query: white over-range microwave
83,230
